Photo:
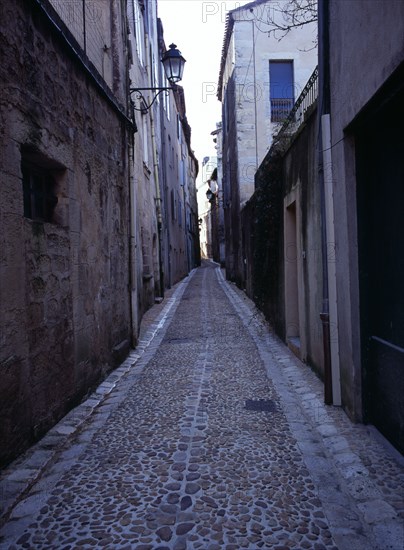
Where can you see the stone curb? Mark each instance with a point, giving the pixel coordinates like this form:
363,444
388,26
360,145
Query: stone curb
17,479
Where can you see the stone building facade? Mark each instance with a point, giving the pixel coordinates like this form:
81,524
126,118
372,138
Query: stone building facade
178,172
65,316
322,233
260,78
362,139
81,210
146,285
282,237
164,169
205,200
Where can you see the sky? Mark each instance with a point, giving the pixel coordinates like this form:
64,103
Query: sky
197,28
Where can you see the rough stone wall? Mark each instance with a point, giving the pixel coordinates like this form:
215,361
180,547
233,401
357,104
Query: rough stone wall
300,175
175,221
191,207
372,53
145,183
262,221
90,23
64,283
231,187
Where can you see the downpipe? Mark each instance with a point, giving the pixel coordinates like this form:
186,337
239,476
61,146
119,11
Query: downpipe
134,307
334,368
157,186
324,106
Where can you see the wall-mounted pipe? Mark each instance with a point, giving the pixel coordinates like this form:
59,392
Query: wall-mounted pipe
323,106
159,216
330,257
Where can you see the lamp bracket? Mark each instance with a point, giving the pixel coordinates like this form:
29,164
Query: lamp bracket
139,95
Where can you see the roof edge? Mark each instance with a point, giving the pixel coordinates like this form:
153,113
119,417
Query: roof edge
227,35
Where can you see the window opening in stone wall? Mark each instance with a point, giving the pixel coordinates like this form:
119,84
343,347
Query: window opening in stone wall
169,151
39,188
179,212
172,205
166,96
281,89
139,30
145,140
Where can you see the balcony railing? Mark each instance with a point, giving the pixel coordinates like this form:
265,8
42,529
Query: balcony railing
280,109
297,114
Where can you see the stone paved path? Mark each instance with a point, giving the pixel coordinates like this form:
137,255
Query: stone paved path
210,436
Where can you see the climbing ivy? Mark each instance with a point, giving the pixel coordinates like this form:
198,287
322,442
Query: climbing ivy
267,233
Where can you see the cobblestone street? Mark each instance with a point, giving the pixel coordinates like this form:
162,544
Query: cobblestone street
210,436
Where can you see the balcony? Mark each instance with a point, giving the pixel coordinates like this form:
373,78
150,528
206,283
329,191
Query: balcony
304,102
280,109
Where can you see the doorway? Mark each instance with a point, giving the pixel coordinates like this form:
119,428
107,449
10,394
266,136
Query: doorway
292,316
379,145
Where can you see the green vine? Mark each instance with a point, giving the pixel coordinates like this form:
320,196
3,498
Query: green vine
267,230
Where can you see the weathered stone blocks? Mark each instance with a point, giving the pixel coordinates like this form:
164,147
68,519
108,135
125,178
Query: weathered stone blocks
53,116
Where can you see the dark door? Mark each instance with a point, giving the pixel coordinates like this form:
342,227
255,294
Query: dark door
380,192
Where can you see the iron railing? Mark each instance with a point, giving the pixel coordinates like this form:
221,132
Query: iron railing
297,114
280,109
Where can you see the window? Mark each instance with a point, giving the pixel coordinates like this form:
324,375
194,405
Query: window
39,188
179,212
145,140
172,205
153,71
166,95
281,89
182,173
139,30
169,152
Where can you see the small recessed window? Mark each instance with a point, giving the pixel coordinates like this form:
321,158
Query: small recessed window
39,187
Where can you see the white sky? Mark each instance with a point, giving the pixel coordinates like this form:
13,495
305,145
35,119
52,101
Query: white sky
197,27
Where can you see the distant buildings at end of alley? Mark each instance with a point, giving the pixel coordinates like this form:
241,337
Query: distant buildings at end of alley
211,213
312,194
98,200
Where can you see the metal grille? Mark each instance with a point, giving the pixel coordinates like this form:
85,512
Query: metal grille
280,109
265,405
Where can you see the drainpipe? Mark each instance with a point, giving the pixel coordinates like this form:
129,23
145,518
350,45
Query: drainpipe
133,298
158,204
156,180
255,96
164,186
330,232
133,282
332,390
324,106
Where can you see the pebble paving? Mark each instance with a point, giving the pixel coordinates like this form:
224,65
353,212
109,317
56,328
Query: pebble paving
198,446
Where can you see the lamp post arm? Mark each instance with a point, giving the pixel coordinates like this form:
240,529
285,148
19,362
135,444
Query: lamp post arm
144,105
154,89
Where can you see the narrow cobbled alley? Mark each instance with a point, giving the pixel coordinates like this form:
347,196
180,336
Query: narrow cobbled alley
210,436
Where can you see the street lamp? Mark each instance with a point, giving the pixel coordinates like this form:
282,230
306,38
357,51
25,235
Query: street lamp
173,64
